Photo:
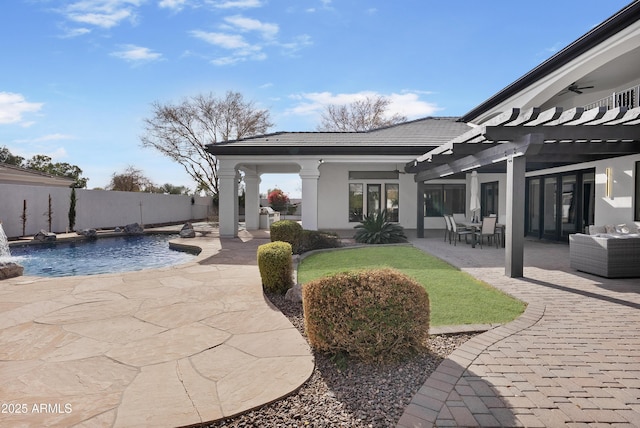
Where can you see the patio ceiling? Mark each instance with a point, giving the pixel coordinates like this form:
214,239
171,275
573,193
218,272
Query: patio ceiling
549,138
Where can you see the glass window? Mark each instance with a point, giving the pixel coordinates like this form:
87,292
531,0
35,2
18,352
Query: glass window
440,199
356,201
533,214
373,198
569,204
392,196
489,198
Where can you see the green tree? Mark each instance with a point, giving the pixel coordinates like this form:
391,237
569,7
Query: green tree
7,157
72,209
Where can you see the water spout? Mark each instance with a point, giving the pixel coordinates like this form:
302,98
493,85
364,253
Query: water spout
4,244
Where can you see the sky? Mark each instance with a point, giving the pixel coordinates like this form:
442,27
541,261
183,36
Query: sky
78,77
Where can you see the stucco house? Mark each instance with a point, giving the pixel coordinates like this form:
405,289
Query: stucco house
555,151
344,174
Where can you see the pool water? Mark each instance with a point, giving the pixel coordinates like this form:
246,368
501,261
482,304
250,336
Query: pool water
104,255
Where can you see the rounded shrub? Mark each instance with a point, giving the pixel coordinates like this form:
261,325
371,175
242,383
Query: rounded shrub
317,240
375,315
286,231
275,263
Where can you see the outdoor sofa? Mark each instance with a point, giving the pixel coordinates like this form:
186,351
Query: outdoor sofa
611,252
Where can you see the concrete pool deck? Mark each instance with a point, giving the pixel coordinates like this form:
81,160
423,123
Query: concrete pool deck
164,347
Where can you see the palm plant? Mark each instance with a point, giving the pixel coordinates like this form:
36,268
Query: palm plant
376,229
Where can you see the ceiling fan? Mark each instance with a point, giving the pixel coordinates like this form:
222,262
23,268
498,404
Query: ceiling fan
574,87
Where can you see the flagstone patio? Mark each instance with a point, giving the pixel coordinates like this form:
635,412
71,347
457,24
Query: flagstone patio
164,347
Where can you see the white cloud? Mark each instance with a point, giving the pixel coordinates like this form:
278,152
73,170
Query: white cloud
13,106
74,32
137,54
247,39
242,24
236,4
406,104
173,4
223,40
296,45
102,13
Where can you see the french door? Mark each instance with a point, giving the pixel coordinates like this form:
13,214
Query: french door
559,204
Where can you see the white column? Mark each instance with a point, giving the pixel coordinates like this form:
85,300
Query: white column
252,200
228,200
309,175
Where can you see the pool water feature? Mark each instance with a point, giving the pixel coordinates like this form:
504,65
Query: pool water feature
103,255
4,244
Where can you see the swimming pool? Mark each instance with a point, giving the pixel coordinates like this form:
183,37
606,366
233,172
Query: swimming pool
104,255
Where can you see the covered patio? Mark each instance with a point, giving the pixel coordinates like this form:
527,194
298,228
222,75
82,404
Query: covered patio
516,142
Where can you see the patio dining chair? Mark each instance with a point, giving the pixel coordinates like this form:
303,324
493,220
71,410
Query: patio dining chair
447,231
459,217
488,229
458,232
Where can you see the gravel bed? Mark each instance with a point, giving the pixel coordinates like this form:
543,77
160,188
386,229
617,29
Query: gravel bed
351,394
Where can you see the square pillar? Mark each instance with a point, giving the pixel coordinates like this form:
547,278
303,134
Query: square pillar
310,174
514,244
228,202
420,211
252,200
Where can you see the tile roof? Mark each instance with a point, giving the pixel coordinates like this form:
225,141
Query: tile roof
407,137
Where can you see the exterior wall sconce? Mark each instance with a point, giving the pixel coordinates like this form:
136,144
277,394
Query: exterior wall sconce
609,184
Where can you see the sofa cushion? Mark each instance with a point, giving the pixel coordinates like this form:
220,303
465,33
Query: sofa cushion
622,228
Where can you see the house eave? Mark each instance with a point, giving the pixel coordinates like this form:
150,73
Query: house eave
624,18
264,150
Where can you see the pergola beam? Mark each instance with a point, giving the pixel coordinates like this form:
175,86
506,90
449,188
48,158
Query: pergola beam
489,156
587,133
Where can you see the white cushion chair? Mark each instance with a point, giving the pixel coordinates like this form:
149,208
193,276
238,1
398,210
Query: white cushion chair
488,229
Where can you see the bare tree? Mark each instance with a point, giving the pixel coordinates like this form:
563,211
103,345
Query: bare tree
182,131
131,180
360,115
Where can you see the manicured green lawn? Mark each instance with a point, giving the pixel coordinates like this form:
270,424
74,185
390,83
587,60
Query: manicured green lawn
456,297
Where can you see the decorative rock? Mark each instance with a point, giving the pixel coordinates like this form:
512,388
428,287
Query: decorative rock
187,231
10,270
294,294
89,233
44,236
133,229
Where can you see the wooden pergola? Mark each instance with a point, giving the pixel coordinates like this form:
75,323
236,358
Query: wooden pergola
518,141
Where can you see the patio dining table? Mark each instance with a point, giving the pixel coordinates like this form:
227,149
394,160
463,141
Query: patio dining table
475,226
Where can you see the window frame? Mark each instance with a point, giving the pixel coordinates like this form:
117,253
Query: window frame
385,188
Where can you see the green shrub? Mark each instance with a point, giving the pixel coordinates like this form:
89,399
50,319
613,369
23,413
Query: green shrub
316,240
276,266
286,231
374,315
375,229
